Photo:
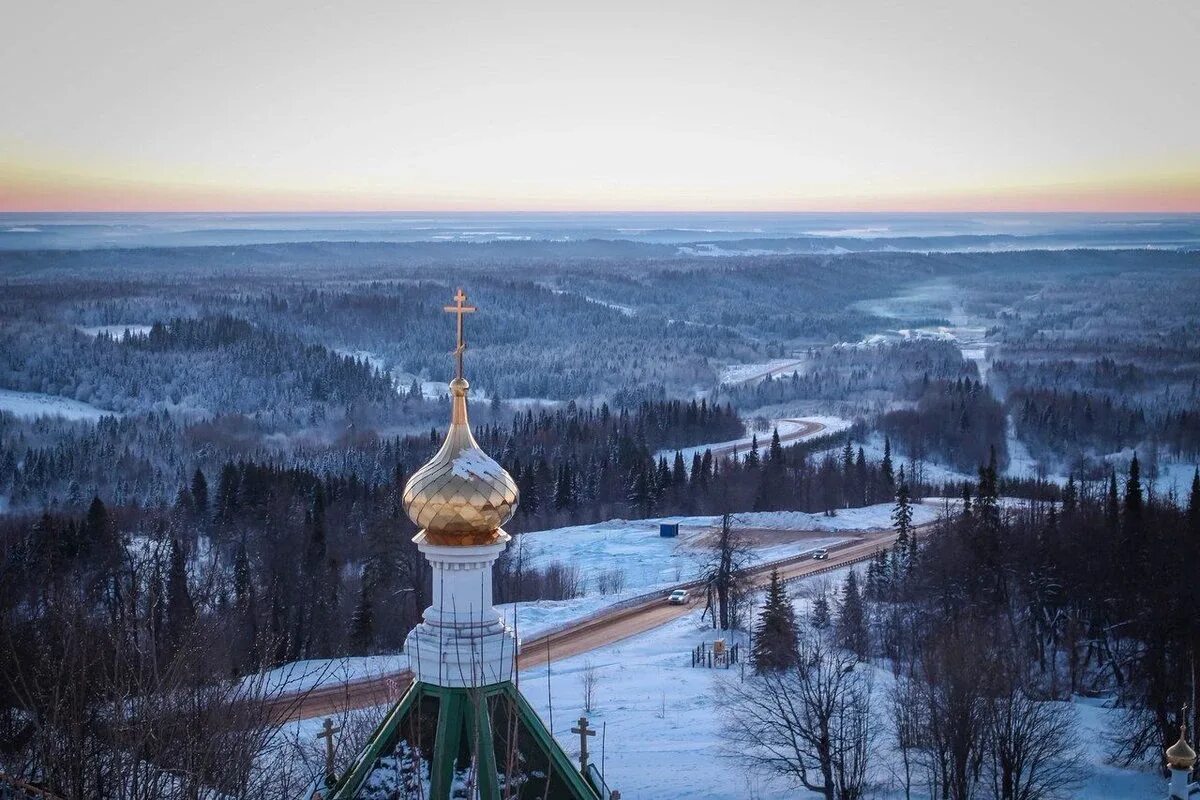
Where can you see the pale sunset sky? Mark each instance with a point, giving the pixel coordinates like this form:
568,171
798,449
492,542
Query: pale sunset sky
770,105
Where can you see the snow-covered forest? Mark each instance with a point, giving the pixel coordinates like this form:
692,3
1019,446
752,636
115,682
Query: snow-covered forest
202,452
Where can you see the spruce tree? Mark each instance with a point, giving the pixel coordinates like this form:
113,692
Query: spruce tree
775,634
752,459
885,467
852,619
362,624
200,492
1070,496
1194,505
902,516
180,611
820,614
1133,500
1112,503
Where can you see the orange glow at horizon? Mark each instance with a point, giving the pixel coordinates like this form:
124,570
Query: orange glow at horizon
61,193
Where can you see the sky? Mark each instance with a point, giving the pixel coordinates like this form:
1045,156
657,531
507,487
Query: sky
755,105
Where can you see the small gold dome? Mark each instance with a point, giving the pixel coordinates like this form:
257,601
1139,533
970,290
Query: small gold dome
461,496
1181,755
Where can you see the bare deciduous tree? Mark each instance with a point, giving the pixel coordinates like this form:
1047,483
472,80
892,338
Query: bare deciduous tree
810,724
590,680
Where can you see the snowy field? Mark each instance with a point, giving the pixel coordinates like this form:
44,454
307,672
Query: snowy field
650,561
652,709
30,405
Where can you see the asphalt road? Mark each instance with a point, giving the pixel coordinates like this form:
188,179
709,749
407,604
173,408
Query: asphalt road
589,634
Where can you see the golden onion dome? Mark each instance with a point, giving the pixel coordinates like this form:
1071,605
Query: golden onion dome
1181,755
461,496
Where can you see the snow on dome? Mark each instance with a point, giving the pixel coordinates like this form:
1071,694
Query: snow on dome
461,496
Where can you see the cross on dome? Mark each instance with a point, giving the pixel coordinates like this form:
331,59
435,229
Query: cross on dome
460,308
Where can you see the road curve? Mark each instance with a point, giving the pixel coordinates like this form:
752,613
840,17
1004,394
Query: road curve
807,428
602,629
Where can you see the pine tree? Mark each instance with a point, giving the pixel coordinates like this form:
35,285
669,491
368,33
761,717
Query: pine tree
640,494
1133,500
180,611
227,492
852,619
200,492
820,614
776,452
752,459
1194,505
562,488
902,516
678,471
1070,496
241,574
775,634
362,624
847,474
1112,503
885,467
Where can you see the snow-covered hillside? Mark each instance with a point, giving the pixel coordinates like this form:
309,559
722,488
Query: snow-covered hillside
30,405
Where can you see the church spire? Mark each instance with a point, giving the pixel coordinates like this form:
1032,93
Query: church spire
463,721
461,496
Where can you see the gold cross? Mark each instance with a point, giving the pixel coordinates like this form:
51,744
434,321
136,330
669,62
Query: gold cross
459,308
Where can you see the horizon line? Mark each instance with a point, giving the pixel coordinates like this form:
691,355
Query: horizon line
609,212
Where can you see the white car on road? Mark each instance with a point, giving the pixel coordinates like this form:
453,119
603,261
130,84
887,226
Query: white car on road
678,597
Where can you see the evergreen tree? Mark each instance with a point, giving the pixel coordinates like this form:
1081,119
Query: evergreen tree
241,574
1133,500
885,467
902,516
776,452
752,459
227,492
180,610
562,488
1112,503
678,471
200,492
1194,505
1070,496
362,624
988,506
821,619
852,619
640,494
847,474
775,633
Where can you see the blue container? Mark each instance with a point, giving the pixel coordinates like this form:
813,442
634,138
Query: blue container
668,530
